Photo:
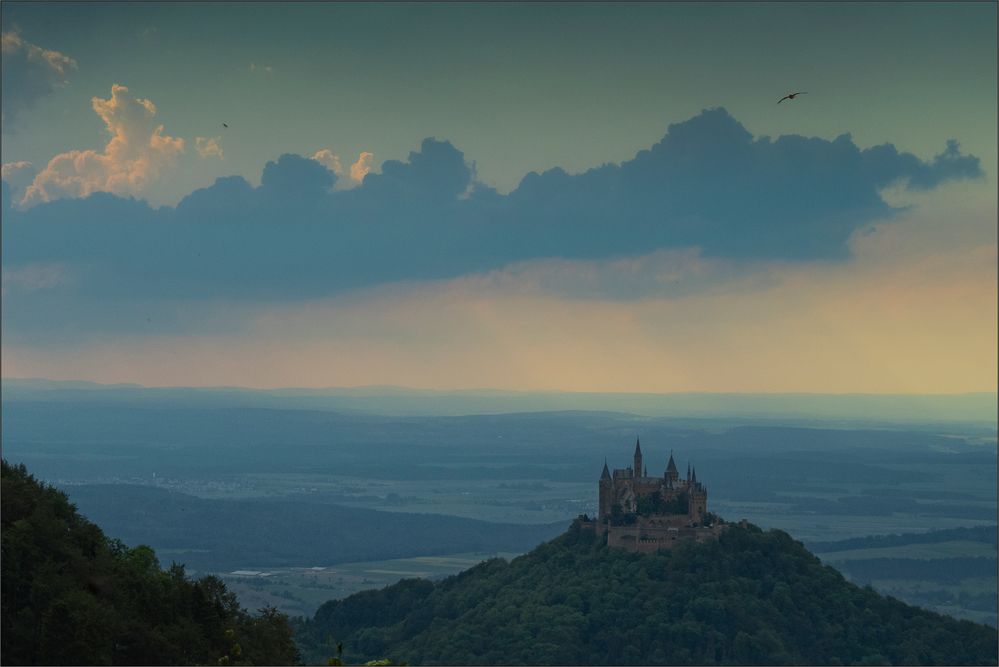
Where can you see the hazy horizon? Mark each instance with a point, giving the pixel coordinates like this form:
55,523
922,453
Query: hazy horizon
70,381
977,408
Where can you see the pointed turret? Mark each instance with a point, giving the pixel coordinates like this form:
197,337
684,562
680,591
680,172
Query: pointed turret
606,496
688,471
693,477
672,474
638,458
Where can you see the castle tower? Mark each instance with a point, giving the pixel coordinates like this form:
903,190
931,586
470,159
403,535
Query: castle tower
672,474
698,500
638,458
606,499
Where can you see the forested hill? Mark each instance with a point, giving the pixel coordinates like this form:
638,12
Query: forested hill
752,597
71,596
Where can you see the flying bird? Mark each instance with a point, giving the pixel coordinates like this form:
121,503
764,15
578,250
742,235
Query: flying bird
224,125
791,96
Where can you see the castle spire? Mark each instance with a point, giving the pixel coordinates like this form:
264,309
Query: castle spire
672,474
606,473
688,471
638,458
693,478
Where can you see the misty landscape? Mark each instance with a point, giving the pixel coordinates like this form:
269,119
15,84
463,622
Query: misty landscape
578,333
280,492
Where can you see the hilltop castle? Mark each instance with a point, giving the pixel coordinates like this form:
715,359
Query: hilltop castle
642,513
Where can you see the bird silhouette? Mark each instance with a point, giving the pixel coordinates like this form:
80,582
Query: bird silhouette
791,96
224,125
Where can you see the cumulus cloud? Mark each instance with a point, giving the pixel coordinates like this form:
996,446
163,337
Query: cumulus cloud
706,201
437,172
29,73
330,160
136,153
362,167
208,146
350,177
710,183
294,179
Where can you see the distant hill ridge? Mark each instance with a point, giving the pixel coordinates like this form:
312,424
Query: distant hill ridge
985,534
751,597
217,535
977,407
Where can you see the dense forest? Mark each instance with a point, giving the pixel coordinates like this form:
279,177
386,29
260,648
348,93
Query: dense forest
73,596
752,597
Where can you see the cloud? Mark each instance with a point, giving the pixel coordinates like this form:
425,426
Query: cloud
136,153
709,183
11,170
29,73
32,277
884,165
330,160
661,273
691,214
208,146
293,179
437,172
18,175
346,178
883,321
362,167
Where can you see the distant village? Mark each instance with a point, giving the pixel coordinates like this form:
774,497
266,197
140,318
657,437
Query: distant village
646,514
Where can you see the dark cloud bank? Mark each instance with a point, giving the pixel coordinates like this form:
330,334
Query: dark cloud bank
707,183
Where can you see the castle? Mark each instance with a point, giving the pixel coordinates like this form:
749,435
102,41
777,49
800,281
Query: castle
642,513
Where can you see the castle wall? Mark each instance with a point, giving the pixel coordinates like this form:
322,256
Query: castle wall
648,533
649,539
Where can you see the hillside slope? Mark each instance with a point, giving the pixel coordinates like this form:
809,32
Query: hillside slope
71,596
753,597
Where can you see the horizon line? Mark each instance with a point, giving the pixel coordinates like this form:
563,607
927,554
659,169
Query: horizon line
495,389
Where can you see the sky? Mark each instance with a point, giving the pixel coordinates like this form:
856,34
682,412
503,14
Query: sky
584,197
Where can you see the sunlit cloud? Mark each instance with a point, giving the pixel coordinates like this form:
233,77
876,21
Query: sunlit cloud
12,169
349,177
208,146
362,167
330,160
136,153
